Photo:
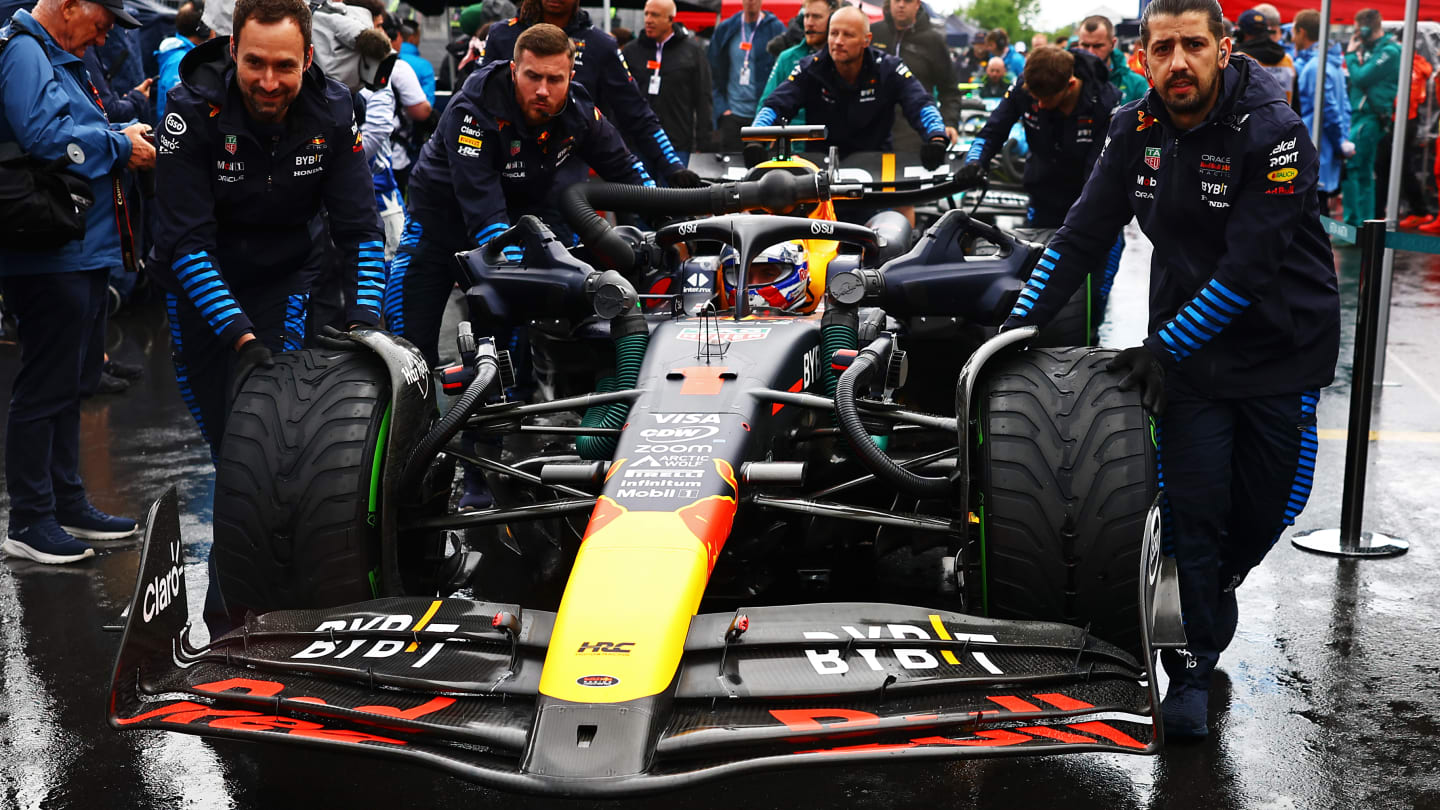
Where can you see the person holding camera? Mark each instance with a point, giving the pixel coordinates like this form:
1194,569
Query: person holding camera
52,114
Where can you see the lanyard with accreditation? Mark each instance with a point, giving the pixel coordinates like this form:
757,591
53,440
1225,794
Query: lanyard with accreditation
654,65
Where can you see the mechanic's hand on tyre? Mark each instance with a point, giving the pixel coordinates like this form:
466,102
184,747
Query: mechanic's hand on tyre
971,174
329,337
684,178
755,154
251,355
932,154
1142,370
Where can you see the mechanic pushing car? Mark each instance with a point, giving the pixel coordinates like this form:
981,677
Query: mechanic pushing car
601,70
853,88
506,146
1065,100
254,142
500,152
1244,312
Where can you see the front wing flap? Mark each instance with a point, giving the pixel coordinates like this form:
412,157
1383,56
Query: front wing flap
453,684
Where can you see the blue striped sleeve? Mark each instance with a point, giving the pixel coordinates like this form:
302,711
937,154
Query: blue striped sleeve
1199,321
934,124
207,291
1035,285
370,276
489,232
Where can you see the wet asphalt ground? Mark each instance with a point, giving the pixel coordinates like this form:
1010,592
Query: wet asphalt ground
1328,698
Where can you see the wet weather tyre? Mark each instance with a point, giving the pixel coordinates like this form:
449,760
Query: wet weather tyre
1067,474
292,487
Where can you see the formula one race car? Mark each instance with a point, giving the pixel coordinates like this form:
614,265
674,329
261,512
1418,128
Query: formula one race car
751,550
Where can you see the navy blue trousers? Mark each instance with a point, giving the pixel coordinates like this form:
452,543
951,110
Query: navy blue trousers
204,363
1235,473
421,278
61,320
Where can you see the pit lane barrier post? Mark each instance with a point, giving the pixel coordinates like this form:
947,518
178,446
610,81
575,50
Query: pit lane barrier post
1392,192
1397,147
1350,540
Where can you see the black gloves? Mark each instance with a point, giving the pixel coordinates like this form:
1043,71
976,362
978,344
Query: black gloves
684,178
1142,370
932,154
971,174
755,154
249,357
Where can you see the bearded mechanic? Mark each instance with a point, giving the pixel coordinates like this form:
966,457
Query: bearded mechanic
1244,312
501,151
255,140
504,148
601,70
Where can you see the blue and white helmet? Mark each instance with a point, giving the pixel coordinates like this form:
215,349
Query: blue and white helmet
779,277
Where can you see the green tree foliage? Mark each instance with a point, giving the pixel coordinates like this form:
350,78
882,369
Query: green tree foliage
1015,16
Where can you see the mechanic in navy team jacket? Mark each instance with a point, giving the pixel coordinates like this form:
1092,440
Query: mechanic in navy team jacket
853,88
58,296
502,150
1244,312
499,153
1065,100
254,142
601,70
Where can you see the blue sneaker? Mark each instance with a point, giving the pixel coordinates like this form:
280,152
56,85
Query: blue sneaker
1183,712
86,522
44,541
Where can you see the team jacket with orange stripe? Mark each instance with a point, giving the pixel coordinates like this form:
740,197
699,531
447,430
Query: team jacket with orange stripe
1243,298
237,204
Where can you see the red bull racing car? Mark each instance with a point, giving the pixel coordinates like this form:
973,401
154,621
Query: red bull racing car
730,533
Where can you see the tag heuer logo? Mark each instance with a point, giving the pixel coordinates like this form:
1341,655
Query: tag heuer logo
514,148
1152,157
230,144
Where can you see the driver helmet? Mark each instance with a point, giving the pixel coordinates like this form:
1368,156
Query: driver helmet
779,277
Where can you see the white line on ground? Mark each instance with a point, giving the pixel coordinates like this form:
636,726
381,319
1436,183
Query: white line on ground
1420,381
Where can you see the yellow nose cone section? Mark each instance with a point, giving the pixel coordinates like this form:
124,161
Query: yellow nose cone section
621,628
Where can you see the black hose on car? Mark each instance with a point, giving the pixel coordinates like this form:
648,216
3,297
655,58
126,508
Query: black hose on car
487,374
875,459
777,192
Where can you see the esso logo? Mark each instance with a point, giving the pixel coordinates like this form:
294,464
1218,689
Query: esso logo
821,227
174,124
689,228
598,680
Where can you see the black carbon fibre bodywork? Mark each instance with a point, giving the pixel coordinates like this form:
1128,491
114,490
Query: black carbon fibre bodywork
452,684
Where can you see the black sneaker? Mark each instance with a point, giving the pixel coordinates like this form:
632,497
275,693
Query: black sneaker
111,385
44,541
124,371
85,521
